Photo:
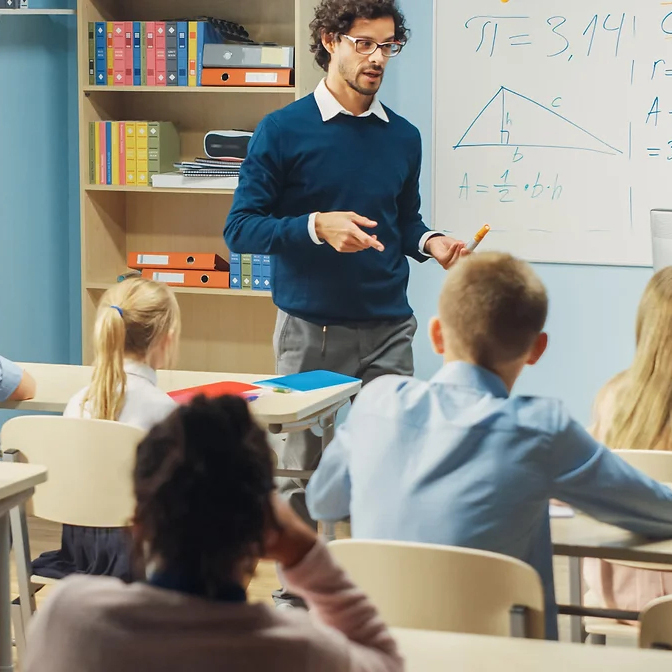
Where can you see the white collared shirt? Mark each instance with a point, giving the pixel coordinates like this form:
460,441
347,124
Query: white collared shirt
145,404
329,108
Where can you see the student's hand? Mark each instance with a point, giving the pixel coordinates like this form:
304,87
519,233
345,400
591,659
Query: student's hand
445,250
342,230
291,539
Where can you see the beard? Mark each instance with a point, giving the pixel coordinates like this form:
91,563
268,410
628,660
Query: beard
366,88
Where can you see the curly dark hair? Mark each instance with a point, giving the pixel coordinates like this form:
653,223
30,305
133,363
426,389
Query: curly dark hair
337,16
203,479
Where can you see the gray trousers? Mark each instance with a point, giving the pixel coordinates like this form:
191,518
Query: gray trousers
365,351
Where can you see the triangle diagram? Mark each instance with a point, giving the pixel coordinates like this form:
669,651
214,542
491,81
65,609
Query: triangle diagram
513,120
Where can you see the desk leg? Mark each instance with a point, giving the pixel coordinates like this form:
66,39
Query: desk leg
328,528
6,664
577,634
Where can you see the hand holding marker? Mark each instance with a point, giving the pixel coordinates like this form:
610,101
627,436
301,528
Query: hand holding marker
480,234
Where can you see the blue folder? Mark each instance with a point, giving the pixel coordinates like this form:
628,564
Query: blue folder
307,381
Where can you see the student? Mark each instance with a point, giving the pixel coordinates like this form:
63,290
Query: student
634,411
15,384
205,513
136,332
458,460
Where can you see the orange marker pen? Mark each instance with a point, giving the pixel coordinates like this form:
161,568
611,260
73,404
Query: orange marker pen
482,233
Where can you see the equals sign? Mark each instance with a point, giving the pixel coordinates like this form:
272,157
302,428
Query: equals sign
653,151
482,188
668,73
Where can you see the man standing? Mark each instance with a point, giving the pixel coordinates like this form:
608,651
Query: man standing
330,188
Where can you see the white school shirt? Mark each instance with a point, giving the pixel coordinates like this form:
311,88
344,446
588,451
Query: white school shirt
329,108
145,405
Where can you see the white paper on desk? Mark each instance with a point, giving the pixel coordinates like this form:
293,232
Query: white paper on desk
556,511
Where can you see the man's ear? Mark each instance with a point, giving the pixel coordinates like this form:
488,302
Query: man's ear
538,349
328,41
436,336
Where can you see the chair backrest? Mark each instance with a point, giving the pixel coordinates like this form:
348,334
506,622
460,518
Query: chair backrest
432,587
656,624
656,464
90,465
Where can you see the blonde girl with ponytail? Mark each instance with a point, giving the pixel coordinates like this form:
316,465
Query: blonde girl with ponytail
136,332
633,411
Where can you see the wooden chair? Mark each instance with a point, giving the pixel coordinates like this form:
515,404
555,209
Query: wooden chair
432,587
90,464
656,464
655,624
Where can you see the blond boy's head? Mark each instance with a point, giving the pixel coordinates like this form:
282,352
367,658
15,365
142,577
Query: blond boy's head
492,311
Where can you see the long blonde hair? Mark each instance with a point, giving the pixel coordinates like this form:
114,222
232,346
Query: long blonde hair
643,400
133,318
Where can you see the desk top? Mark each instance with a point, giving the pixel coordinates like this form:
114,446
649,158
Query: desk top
439,651
57,383
585,537
16,478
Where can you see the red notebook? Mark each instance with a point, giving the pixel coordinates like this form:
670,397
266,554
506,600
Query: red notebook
215,390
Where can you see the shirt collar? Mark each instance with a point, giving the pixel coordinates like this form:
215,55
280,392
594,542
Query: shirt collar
329,107
475,377
133,368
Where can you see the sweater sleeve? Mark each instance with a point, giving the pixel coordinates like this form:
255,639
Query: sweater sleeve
410,220
251,227
338,603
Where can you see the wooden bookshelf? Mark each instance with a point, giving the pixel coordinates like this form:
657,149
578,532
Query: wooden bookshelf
223,330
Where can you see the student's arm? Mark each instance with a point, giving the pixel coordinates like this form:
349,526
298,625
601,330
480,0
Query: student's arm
586,474
410,219
328,490
251,226
310,572
15,384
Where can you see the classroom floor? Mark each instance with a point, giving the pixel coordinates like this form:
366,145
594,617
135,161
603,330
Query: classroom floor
46,536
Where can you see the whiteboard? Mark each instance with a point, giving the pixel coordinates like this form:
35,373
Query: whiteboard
553,124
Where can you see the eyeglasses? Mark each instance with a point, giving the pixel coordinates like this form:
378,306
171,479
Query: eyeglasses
367,47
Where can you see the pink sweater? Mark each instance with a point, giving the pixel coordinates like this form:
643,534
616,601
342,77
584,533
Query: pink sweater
611,585
99,624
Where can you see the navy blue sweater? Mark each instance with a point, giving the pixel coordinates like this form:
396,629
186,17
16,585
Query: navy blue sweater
297,164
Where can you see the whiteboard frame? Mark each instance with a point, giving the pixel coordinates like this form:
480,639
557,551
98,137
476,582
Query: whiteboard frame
434,159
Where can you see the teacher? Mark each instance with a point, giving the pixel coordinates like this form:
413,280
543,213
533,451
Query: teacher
330,188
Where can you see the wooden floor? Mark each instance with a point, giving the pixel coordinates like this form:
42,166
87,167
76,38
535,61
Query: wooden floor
47,536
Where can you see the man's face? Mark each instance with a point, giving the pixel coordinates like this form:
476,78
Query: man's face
363,73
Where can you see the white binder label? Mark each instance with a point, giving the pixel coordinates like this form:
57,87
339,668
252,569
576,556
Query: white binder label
153,259
168,277
261,77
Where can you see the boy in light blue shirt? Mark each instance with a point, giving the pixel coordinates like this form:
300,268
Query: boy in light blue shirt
15,384
459,461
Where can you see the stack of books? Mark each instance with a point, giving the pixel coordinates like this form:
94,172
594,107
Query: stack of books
131,152
201,173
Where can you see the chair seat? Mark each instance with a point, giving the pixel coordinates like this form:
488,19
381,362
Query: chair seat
611,628
43,580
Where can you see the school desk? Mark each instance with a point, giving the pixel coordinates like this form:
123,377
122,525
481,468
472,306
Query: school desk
17,482
426,651
584,537
280,413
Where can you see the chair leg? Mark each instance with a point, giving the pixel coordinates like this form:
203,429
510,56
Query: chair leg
19,631
598,640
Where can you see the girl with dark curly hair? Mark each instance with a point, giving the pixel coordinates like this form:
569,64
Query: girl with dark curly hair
205,513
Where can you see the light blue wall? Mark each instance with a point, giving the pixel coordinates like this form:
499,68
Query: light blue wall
39,208
592,309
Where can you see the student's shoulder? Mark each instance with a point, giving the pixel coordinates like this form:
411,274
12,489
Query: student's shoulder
73,408
391,390
547,415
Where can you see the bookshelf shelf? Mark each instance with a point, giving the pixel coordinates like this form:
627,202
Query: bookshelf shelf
286,90
38,12
222,329
156,190
244,293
